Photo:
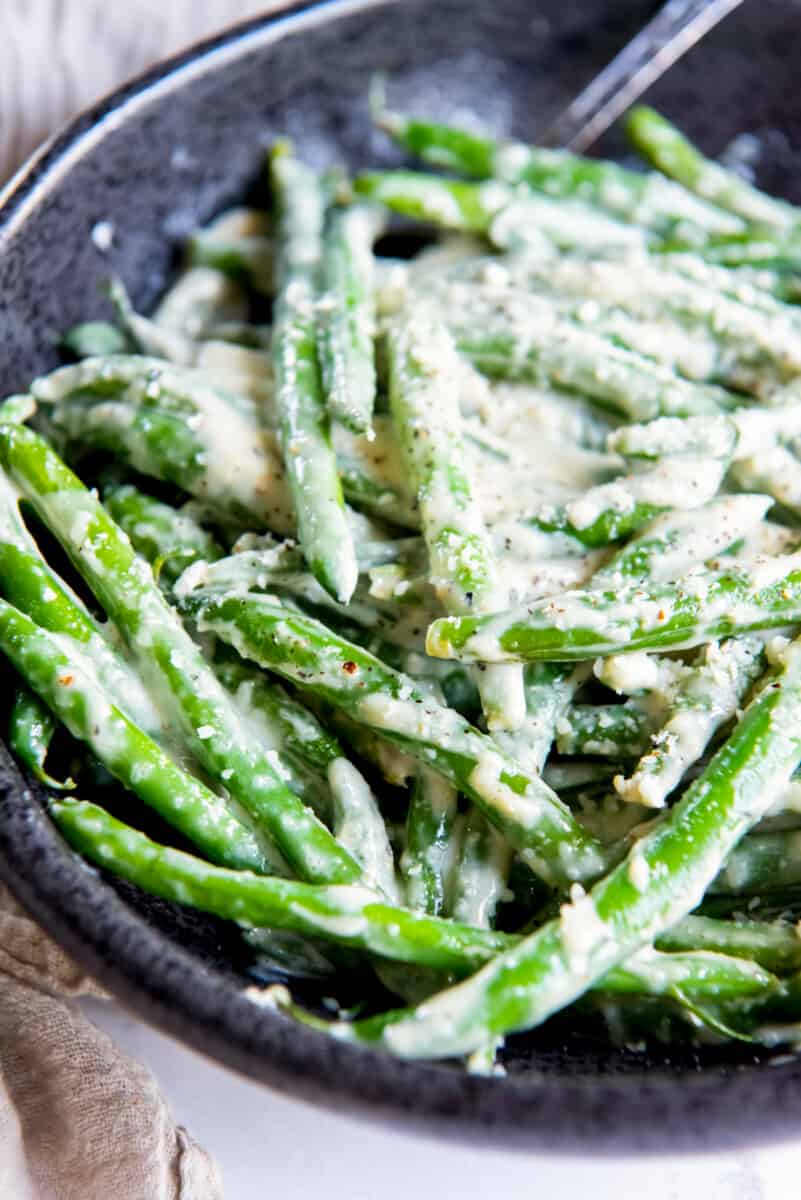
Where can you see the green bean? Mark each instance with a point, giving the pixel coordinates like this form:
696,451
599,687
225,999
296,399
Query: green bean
281,569
479,884
29,584
372,473
95,338
360,828
774,253
346,676
663,878
170,539
775,470
139,379
31,727
198,300
703,606
480,876
188,454
742,348
694,975
304,750
353,916
247,260
679,540
388,561
701,437
512,218
579,775
761,288
439,145
628,195
608,730
609,511
776,946
157,443
147,336
16,410
309,750
688,350
734,436
165,421
663,145
761,864
556,351
450,203
428,856
425,379
304,432
705,991
61,678
549,689
725,994
283,719
707,696
357,917
167,656
397,934
611,524
347,311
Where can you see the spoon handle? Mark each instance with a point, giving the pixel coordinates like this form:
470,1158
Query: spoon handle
677,26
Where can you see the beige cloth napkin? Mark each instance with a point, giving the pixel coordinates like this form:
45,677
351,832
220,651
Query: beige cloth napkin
79,1120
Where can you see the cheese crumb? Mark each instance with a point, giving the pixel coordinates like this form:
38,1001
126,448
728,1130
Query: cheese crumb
639,872
582,929
102,236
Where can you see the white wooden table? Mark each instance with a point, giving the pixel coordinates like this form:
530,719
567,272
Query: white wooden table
271,1146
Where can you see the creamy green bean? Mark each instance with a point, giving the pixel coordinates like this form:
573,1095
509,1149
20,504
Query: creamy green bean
446,607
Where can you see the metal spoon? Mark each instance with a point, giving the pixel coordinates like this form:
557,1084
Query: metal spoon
677,26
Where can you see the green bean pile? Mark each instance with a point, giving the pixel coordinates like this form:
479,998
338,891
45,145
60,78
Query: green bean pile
443,610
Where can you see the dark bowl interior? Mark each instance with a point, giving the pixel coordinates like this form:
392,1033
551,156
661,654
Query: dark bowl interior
170,151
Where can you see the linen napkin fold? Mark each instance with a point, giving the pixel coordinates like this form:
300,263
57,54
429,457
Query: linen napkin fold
79,1120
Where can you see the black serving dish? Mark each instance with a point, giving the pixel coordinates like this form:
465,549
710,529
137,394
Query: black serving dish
170,150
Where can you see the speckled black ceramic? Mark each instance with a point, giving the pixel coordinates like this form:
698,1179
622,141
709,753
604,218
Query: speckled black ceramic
171,150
